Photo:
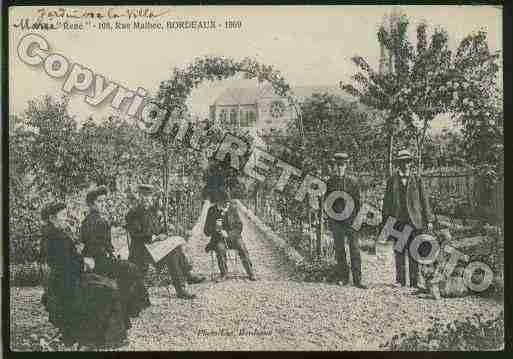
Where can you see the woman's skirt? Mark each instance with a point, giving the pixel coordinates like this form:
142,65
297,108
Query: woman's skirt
92,314
130,281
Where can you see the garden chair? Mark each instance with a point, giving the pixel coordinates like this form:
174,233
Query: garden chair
232,256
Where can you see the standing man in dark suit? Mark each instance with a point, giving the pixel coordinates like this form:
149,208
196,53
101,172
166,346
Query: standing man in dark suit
342,230
407,200
143,225
224,227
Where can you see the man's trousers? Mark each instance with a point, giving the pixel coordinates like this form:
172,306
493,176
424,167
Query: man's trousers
341,233
400,263
236,244
177,264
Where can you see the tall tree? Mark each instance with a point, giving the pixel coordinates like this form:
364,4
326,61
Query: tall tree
56,151
478,100
427,80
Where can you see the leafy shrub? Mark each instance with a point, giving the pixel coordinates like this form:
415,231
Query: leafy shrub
27,274
472,333
33,274
317,270
25,223
453,205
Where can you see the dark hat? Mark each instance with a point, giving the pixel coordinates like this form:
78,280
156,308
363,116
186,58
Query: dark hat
218,195
51,209
341,156
403,155
146,189
215,182
95,193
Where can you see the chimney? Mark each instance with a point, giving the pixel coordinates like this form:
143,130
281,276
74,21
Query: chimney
389,23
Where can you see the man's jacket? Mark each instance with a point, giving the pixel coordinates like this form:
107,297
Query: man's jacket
231,223
417,201
142,224
350,185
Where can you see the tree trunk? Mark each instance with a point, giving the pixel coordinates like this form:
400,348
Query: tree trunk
420,146
390,154
256,202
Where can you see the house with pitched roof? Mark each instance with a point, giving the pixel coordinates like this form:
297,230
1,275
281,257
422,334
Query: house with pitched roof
260,110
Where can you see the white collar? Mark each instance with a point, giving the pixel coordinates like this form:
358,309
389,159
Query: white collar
401,174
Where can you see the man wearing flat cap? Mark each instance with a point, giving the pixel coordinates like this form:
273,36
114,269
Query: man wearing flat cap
407,200
142,224
341,229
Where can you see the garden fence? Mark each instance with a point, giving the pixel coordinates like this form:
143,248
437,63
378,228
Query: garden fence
453,194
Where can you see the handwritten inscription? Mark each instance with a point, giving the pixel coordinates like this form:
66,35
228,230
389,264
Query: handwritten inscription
108,13
27,24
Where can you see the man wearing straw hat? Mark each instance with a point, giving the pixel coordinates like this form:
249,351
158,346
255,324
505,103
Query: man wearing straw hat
407,200
341,229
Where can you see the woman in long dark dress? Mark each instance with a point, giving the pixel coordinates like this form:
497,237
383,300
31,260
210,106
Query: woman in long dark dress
85,307
95,233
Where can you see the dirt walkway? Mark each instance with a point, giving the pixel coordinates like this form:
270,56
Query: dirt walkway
273,313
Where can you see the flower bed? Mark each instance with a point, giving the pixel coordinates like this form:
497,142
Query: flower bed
471,333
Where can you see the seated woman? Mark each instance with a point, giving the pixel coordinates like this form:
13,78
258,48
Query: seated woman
85,307
95,233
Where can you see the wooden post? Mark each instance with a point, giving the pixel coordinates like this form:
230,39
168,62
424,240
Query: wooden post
320,231
255,203
178,207
165,199
310,233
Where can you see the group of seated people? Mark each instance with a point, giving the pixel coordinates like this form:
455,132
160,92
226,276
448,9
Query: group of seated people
92,293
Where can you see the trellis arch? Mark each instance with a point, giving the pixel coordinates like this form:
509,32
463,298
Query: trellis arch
173,93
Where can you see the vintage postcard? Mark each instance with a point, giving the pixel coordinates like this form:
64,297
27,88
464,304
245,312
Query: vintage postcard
255,178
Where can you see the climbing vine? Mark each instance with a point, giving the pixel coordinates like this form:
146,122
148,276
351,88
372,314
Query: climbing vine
173,93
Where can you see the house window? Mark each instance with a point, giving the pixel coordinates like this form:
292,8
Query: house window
248,119
244,119
233,117
223,116
212,114
251,118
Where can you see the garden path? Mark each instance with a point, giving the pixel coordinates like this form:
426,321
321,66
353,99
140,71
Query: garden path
274,313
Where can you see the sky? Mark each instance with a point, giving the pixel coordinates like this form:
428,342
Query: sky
310,45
